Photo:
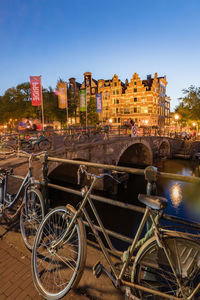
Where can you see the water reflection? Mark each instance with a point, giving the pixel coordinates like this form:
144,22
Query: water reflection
176,194
184,198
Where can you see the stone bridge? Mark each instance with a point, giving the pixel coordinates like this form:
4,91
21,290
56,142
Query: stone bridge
126,150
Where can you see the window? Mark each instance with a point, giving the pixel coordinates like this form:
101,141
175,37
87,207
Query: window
115,83
117,101
135,99
126,110
135,90
117,92
143,99
113,92
135,82
135,109
144,109
119,120
117,110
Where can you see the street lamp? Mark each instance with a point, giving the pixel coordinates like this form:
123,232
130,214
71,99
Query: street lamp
176,117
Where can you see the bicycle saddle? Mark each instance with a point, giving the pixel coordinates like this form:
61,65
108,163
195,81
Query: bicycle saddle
6,171
155,202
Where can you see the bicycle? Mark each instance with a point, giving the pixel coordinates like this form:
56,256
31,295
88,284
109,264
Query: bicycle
78,137
5,147
28,202
165,264
40,141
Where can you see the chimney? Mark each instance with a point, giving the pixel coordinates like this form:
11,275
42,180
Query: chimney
149,77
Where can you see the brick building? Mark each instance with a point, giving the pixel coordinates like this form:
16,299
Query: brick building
144,101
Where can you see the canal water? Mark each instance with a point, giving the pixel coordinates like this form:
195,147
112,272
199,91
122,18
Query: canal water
184,198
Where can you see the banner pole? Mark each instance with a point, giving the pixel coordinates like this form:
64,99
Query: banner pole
86,110
42,106
66,107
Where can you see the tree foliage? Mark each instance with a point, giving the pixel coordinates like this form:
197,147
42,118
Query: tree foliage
16,104
189,107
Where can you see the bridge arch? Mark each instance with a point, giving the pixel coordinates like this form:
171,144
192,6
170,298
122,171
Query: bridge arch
137,153
164,148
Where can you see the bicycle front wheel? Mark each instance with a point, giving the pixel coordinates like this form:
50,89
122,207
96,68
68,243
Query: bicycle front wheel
6,149
152,268
31,216
57,269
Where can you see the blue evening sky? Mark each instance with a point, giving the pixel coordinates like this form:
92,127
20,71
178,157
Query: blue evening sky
63,39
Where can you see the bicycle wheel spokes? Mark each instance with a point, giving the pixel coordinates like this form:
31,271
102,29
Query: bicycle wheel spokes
56,268
31,216
153,269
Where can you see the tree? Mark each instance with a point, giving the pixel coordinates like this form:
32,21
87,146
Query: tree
16,104
93,117
190,104
189,108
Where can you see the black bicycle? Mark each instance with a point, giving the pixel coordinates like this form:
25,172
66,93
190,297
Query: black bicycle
28,202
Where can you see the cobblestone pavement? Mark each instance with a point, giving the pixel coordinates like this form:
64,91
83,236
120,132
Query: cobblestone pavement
15,264
16,278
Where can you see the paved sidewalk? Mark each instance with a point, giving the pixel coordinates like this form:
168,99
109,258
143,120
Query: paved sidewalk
16,279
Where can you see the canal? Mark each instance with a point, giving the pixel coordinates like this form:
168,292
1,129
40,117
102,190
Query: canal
184,198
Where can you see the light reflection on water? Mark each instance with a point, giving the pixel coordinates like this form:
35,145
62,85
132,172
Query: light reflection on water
184,198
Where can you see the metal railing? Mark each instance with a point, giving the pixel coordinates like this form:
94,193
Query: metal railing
151,175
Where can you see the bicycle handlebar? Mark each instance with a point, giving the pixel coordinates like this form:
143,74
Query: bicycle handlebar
32,154
82,169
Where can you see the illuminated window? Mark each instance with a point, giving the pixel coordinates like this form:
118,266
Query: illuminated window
126,110
144,109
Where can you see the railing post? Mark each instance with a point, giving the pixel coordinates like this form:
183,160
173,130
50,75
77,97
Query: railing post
151,176
44,162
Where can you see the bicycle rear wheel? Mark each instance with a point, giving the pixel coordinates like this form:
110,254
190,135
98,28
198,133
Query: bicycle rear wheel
32,213
57,269
152,269
44,145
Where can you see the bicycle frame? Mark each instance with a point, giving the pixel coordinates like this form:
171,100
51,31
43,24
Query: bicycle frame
117,279
25,183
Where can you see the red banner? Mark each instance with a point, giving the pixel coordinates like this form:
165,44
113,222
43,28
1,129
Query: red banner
36,90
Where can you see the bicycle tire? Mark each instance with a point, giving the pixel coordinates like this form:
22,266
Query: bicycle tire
44,145
68,140
54,271
10,214
26,146
151,268
32,213
6,149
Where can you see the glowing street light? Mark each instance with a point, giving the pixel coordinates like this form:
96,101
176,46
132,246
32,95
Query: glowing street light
176,117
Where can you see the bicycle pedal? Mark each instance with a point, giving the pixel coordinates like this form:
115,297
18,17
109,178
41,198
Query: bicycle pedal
97,269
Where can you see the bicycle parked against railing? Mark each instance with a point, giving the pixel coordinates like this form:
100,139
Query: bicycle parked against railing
163,264
5,146
28,201
33,142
